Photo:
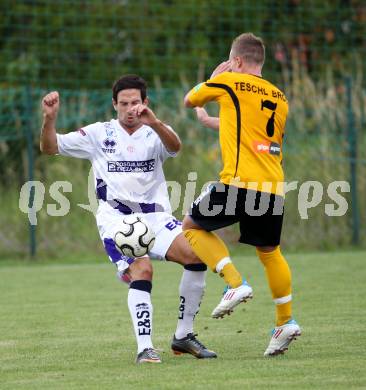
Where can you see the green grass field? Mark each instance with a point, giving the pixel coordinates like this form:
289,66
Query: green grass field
66,326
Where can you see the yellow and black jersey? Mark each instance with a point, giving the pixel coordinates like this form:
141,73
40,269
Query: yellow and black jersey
253,115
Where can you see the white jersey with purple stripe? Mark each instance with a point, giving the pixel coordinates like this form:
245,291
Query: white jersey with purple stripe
127,168
128,171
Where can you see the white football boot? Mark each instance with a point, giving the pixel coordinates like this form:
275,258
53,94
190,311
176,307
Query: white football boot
231,298
282,337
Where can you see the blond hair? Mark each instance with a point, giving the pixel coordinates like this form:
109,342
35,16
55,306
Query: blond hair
249,47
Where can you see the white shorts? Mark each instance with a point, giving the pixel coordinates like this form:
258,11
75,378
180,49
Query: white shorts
166,228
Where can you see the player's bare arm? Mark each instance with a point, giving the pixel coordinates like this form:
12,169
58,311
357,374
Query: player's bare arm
169,138
221,68
211,122
50,105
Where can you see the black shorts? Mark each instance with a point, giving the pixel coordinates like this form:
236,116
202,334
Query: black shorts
260,214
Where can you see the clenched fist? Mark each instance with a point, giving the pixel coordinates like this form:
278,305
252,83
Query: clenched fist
51,104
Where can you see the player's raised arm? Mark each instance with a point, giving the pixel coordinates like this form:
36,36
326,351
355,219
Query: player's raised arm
168,137
211,122
196,98
221,68
50,106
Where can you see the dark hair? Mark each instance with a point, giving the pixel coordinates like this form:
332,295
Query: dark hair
129,81
250,47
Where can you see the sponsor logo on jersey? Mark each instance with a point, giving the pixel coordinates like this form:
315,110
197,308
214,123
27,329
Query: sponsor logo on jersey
148,134
131,166
109,129
274,149
82,132
267,147
109,145
130,148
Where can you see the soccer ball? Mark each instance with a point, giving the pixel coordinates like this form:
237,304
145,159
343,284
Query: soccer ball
134,237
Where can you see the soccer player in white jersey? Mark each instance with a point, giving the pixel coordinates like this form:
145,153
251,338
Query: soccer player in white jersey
127,156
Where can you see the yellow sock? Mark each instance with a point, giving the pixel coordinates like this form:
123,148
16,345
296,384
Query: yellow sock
283,313
212,251
279,280
231,275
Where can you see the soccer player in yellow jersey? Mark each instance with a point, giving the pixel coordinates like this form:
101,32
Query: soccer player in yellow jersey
251,125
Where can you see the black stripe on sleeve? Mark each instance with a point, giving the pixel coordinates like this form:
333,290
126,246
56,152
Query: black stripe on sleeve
238,117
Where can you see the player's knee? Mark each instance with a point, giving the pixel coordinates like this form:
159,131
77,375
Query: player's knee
142,274
188,223
147,271
142,270
185,223
266,249
181,252
268,254
184,256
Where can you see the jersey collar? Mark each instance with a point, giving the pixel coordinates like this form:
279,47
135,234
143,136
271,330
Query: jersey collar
138,133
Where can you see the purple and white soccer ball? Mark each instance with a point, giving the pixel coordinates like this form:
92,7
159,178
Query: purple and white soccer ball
134,237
